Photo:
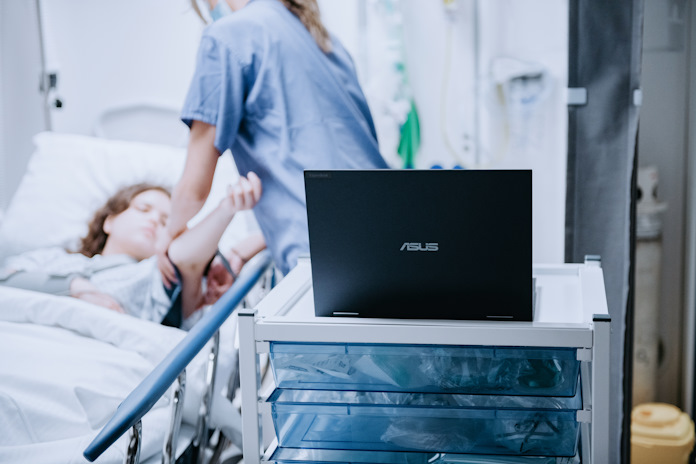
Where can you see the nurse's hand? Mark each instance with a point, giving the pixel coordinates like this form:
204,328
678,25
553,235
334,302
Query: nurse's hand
164,264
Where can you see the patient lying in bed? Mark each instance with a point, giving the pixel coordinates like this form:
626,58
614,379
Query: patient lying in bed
115,266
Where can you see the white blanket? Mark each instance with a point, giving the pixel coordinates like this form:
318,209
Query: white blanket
65,366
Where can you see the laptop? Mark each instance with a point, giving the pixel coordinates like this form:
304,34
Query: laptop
425,244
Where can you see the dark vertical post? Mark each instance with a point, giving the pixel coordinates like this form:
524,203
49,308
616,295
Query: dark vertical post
605,46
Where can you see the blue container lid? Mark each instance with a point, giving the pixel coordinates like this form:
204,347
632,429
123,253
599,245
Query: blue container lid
327,398
314,456
424,350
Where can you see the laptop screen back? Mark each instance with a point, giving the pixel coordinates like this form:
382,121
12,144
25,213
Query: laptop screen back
435,244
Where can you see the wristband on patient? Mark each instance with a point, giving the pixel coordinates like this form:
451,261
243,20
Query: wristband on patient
226,263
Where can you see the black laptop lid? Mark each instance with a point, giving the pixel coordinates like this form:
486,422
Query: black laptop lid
436,244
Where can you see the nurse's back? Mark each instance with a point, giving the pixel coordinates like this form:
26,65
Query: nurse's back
282,105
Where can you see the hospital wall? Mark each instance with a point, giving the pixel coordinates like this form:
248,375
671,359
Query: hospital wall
460,60
21,113
108,54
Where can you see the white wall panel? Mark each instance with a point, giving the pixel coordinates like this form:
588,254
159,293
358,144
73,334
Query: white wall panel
110,53
21,106
466,118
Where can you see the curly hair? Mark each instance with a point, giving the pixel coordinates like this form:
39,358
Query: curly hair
307,11
93,243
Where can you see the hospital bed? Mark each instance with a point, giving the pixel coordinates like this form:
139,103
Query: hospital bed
67,364
131,411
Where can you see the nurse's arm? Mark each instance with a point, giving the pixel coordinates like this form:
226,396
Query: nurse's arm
193,188
190,192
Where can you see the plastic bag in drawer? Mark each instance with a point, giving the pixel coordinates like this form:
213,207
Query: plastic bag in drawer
449,423
321,456
427,368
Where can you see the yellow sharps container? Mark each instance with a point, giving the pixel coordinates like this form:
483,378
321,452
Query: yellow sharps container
660,433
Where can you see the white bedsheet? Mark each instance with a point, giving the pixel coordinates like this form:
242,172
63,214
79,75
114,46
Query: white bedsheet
65,365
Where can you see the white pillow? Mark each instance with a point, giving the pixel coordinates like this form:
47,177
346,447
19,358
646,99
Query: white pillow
70,176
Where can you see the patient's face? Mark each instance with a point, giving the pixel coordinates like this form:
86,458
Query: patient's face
135,231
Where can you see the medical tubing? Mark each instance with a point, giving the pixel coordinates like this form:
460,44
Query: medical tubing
444,91
148,392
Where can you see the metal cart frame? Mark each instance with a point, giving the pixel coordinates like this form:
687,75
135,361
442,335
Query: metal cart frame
585,327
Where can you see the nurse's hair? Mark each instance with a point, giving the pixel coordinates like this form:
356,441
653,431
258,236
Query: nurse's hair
93,243
307,11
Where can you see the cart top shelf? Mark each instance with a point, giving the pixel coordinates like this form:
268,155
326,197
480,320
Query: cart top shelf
569,298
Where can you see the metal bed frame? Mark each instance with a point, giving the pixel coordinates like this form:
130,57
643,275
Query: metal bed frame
172,370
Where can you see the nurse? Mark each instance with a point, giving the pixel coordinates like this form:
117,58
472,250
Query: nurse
277,90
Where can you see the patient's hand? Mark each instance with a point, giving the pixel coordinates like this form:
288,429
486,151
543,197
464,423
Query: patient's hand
102,299
83,289
245,195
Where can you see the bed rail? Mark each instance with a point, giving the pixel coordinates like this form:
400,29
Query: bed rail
146,394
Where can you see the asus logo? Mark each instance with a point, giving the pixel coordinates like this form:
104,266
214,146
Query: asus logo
415,246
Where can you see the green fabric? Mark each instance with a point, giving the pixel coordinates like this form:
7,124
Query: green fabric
410,138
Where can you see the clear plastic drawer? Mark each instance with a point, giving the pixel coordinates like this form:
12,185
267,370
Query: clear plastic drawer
426,368
319,456
448,423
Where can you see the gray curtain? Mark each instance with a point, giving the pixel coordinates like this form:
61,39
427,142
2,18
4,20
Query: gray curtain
605,59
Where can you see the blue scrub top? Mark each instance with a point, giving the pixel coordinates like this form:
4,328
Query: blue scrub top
281,105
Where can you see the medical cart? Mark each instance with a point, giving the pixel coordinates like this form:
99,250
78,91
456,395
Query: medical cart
404,391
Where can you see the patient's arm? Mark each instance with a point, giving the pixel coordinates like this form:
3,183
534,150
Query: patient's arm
38,281
192,250
245,250
69,285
